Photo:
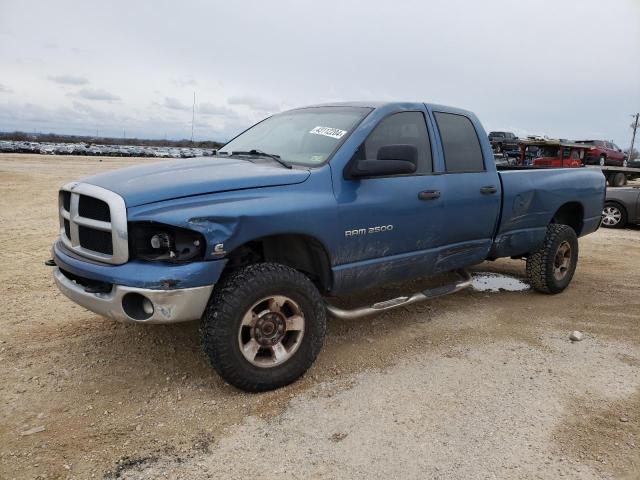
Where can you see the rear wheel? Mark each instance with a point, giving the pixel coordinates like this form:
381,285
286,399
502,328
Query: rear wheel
613,216
618,179
264,326
551,268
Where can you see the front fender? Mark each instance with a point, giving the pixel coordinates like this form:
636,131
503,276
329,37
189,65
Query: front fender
229,220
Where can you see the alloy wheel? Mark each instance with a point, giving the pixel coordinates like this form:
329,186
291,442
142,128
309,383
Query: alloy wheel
271,331
562,261
611,216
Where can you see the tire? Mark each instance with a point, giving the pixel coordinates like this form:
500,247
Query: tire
618,179
613,215
625,163
603,160
551,268
262,309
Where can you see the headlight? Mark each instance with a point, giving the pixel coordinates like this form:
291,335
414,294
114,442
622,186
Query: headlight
154,241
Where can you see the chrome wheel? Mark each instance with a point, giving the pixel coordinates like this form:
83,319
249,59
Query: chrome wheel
562,261
624,163
611,216
271,331
602,161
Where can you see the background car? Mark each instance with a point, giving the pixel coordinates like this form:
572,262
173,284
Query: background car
503,141
621,206
602,152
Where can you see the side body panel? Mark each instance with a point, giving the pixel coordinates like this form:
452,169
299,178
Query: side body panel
532,197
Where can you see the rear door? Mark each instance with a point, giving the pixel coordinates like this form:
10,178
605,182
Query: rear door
471,193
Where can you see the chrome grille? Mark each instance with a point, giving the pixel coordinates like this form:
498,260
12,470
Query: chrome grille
93,222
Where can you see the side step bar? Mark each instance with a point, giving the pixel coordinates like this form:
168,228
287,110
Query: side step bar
461,284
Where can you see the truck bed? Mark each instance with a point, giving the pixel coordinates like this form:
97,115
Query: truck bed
532,197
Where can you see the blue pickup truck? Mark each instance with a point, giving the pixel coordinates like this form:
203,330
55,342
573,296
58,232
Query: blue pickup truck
308,204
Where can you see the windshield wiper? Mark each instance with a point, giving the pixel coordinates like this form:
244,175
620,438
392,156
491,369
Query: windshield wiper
260,153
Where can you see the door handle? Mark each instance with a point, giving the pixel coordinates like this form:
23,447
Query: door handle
488,190
429,195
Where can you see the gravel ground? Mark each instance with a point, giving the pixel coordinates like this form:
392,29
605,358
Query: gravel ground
474,385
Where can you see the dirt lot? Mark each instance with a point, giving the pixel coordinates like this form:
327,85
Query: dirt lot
474,385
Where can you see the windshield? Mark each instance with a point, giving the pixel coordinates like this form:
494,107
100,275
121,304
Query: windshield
307,136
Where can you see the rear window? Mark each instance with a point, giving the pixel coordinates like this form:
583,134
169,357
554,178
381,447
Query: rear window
462,152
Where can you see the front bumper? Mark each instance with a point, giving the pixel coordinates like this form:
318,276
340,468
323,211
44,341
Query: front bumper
169,306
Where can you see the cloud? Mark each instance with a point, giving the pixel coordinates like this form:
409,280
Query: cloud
69,79
206,108
97,94
5,89
254,103
185,82
175,104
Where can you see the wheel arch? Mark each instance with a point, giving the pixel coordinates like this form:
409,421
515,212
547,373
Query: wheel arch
571,214
301,252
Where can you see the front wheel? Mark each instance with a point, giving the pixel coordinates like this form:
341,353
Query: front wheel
551,268
603,160
264,326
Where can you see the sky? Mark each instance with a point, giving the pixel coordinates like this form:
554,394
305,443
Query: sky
562,68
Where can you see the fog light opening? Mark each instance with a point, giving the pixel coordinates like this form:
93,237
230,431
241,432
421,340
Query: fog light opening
137,306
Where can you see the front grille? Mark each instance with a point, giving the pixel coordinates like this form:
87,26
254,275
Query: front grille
95,240
90,207
66,200
93,222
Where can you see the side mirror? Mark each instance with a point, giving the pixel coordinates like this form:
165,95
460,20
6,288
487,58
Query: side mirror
391,160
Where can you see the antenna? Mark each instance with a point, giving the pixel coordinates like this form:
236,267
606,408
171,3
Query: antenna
193,115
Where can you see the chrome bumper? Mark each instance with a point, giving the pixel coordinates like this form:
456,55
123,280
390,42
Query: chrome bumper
169,306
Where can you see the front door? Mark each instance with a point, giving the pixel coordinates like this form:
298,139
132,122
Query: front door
389,226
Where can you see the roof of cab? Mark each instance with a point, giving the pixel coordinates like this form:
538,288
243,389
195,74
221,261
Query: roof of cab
380,104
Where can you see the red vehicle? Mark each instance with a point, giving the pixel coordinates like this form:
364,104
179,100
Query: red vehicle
601,152
553,153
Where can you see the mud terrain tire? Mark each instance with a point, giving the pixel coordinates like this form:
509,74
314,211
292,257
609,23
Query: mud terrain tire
243,295
551,268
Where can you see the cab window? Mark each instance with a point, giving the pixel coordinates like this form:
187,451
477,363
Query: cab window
460,143
405,128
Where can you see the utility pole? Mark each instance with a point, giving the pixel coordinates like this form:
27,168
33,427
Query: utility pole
193,115
634,125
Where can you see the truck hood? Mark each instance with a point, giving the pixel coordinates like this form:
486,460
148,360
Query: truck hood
144,184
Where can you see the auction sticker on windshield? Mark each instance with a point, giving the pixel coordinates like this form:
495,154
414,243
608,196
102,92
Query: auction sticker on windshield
328,132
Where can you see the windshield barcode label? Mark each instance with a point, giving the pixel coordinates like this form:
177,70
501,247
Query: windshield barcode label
328,132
